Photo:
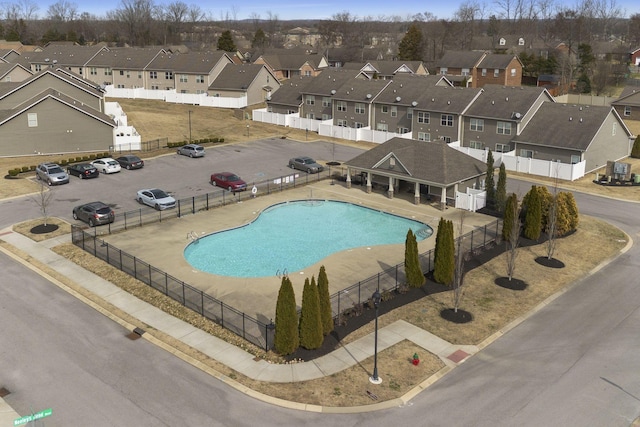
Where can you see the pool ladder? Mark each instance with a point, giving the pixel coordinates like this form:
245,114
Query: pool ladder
282,273
424,232
193,236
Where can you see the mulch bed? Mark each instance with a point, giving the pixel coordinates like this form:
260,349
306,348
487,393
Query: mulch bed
513,284
549,262
456,316
44,229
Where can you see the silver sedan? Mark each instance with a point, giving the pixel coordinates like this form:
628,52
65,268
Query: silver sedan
156,198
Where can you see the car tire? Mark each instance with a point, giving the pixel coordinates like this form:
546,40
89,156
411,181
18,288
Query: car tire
128,167
214,183
75,215
292,166
92,223
191,155
230,189
157,207
139,200
49,182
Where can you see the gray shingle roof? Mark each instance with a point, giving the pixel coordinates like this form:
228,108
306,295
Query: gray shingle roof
564,125
124,58
428,162
360,90
496,61
460,59
290,93
65,55
237,76
291,61
501,102
447,99
329,80
630,96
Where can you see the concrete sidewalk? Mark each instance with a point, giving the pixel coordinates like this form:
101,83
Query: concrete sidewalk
225,353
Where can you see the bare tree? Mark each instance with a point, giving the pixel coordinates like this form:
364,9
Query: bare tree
137,17
552,217
514,238
467,15
62,10
43,200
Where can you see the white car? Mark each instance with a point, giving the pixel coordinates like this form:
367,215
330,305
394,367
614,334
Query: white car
107,165
156,198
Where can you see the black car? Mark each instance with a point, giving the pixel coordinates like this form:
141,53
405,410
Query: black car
130,161
83,171
94,213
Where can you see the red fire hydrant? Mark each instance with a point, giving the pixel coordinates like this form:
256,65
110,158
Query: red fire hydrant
416,359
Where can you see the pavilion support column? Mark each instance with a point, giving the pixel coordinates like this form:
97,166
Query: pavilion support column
348,178
390,192
368,182
416,194
443,198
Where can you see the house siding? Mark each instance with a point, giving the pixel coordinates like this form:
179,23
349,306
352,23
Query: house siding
46,82
606,146
60,129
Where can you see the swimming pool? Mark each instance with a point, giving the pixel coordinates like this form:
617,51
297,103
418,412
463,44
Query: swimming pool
291,236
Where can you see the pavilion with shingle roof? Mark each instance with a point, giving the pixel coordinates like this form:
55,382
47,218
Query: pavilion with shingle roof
430,166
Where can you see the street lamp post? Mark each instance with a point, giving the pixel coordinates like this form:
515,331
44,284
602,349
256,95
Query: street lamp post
375,379
189,126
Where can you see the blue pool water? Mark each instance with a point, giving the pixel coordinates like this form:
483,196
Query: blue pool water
294,235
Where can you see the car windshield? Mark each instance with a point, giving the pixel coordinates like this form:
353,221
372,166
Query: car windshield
233,178
103,210
308,161
87,167
56,170
112,162
159,194
198,148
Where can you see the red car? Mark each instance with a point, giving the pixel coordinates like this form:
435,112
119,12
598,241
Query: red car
229,181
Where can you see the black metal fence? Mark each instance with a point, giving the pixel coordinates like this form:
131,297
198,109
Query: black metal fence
218,197
390,280
249,328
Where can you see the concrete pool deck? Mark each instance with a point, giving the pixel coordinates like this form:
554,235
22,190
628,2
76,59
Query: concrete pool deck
162,245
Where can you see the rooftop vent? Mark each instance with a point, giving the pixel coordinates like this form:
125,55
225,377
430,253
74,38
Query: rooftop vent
369,96
398,99
414,103
333,91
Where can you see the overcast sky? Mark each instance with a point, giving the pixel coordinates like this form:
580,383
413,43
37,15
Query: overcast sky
314,9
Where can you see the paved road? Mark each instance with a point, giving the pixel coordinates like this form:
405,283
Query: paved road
573,363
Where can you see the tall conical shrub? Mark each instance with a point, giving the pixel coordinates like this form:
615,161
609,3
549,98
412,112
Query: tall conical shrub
574,214
325,302
311,336
501,189
489,184
533,217
286,339
412,269
635,150
444,263
510,210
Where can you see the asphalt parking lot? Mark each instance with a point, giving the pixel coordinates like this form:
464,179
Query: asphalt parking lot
185,177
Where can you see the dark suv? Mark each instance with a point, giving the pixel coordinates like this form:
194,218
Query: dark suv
94,213
52,174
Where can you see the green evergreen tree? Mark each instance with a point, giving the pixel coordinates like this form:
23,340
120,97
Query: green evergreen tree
533,217
311,336
325,302
572,208
489,184
583,84
286,339
563,215
411,45
635,151
413,271
511,207
444,257
501,189
259,39
225,42
546,200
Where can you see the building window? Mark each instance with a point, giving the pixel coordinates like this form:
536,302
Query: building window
108,72
423,136
484,72
310,116
155,87
37,67
185,91
341,106
7,79
502,148
496,73
270,108
326,101
465,72
358,125
199,79
168,75
627,111
575,159
476,144
444,71
326,117
139,74
93,71
307,73
342,123
310,100
520,41
119,86
122,72
32,120
359,108
394,111
423,117
526,153
477,125
384,109
382,126
128,74
614,129
199,91
183,78
153,74
402,130
446,139
503,128
409,113
446,120
503,41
